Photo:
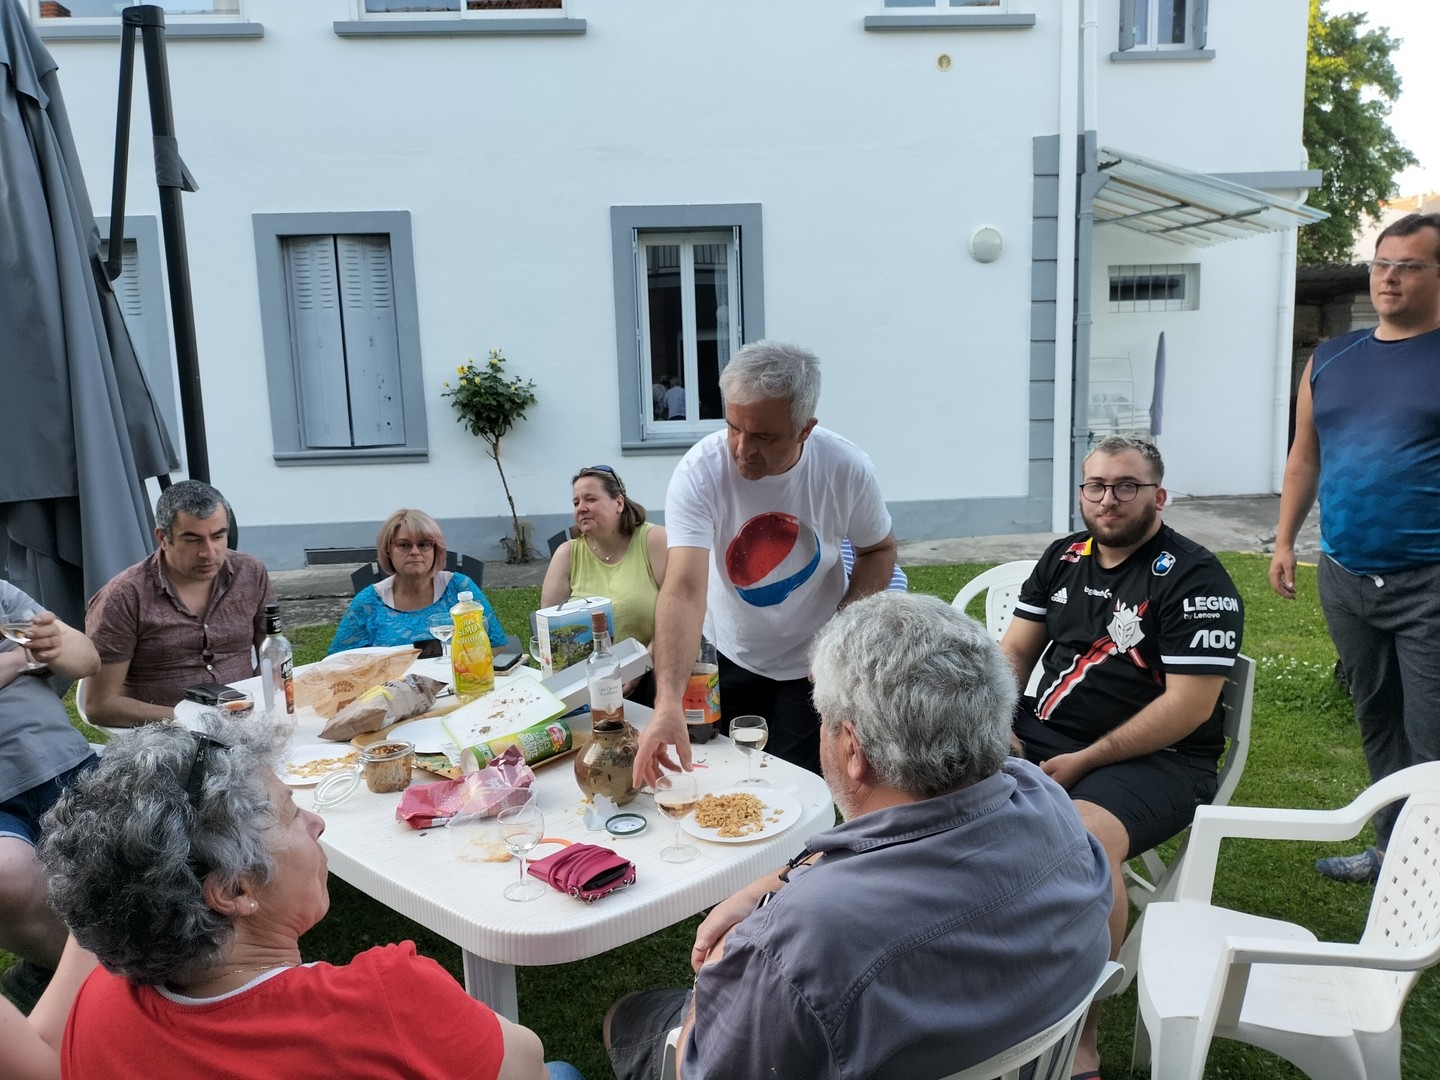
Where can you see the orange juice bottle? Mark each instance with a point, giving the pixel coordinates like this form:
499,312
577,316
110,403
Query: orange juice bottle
471,662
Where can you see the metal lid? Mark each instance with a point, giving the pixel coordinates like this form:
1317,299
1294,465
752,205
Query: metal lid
626,824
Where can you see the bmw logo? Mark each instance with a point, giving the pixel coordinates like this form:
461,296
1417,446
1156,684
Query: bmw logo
771,556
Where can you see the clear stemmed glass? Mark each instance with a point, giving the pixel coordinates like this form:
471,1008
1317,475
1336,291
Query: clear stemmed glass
750,734
520,829
675,796
18,631
441,628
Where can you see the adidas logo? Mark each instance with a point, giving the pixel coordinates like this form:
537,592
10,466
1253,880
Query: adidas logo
1060,597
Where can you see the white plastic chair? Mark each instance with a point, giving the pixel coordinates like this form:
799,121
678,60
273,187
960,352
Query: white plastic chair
1052,1051
1001,585
1158,882
1333,1009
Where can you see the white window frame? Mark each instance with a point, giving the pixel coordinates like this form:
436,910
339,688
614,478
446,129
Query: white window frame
1188,300
281,370
633,228
1196,20
687,242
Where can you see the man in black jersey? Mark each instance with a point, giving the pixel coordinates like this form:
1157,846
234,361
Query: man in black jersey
1136,628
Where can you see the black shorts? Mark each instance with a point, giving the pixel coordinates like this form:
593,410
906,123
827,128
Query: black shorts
1153,796
20,815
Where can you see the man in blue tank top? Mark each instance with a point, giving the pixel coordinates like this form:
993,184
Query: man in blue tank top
1367,440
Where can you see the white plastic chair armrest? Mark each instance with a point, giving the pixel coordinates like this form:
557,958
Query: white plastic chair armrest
1247,950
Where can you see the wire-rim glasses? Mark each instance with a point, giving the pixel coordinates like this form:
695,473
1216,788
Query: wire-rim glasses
1124,491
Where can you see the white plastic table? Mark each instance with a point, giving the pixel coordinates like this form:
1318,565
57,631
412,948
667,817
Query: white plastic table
414,872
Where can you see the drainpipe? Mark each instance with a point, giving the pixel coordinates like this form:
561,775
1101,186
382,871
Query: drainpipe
1284,358
1090,182
1064,409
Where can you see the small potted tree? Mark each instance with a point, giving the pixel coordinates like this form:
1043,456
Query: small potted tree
489,404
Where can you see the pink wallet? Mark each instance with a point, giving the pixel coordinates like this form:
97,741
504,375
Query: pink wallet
585,871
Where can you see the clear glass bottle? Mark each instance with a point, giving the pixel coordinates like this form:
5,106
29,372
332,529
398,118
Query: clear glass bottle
472,665
277,667
606,765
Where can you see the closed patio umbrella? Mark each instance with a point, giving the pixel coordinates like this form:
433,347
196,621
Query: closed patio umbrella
81,430
1157,395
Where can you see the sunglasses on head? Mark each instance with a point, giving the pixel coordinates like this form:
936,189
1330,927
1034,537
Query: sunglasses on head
590,470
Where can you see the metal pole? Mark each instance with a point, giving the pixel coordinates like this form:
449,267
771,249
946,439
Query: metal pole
172,178
115,258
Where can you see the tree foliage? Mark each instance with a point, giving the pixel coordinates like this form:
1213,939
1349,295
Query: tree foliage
1350,86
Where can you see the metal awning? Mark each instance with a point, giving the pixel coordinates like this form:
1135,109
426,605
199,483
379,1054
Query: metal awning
1188,207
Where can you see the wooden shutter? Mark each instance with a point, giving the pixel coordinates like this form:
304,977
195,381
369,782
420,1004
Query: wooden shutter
1198,20
372,348
315,335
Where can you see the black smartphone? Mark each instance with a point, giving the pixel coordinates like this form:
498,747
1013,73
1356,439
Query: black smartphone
206,693
430,648
506,659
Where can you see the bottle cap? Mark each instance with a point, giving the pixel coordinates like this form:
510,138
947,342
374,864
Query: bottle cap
466,596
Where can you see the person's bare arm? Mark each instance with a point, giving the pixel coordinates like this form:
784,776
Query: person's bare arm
657,547
872,571
1022,643
679,617
556,588
30,1049
524,1054
1187,702
106,703
1297,492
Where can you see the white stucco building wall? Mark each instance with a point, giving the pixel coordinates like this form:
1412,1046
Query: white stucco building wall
871,159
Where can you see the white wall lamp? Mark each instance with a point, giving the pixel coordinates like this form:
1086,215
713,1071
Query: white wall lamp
987,244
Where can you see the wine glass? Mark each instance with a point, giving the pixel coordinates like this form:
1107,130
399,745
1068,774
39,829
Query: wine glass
441,628
750,734
675,796
18,630
520,829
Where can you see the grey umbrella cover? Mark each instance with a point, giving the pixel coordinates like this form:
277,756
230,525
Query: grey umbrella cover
80,427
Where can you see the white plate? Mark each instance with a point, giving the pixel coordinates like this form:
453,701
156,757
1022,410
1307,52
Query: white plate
780,803
310,753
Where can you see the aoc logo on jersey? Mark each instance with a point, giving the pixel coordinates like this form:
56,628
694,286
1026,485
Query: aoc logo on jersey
771,556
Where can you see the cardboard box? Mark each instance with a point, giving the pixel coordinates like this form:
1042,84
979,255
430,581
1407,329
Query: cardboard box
564,632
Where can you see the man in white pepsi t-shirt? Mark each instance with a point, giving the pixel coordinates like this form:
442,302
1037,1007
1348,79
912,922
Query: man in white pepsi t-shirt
755,516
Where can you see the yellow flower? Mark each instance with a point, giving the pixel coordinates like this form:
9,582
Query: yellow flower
460,370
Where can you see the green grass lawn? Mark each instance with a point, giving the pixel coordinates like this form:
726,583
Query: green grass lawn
1304,752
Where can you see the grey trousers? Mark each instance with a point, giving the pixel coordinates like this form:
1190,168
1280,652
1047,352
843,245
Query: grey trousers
1386,629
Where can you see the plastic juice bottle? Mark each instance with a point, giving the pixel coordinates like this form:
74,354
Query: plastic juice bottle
471,662
702,694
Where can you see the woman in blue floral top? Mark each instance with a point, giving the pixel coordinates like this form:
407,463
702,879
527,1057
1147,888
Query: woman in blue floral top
397,610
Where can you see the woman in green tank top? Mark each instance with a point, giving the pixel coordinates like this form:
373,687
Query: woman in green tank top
617,554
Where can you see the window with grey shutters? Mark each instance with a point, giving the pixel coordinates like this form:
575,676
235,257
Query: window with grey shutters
1158,27
347,358
342,350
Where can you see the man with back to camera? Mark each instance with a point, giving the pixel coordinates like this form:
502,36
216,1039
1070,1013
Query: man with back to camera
1137,628
959,908
1367,439
40,753
755,515
193,612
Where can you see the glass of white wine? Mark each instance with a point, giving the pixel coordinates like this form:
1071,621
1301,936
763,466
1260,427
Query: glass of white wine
18,630
520,829
441,629
750,734
675,797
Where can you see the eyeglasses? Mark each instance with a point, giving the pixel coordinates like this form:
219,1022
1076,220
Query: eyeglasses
199,764
207,655
406,545
1405,269
1124,491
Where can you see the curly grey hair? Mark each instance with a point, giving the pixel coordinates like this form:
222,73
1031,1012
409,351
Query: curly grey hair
126,852
766,370
193,497
925,688
1118,444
